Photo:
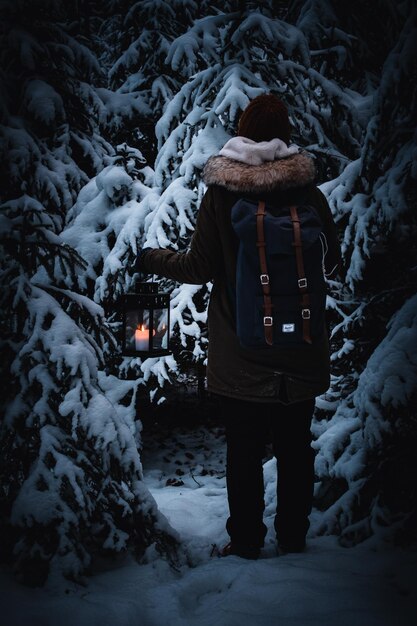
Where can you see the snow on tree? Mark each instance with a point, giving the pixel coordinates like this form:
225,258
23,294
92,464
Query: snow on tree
365,452
269,54
143,31
104,226
48,138
69,438
71,476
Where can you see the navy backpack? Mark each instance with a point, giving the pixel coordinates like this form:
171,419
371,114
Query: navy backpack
280,285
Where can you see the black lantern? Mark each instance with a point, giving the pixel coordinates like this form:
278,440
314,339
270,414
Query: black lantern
146,322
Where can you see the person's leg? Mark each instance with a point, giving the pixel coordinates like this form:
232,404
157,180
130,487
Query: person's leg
291,432
246,434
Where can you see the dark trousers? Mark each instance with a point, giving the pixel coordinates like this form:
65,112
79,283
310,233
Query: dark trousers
249,427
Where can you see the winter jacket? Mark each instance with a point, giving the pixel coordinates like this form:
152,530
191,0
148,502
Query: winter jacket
284,374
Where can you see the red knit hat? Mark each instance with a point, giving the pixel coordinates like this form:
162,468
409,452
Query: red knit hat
265,118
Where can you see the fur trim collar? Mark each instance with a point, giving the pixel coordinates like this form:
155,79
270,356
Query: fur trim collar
297,170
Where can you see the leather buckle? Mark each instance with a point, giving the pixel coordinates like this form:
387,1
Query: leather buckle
268,321
302,283
305,314
264,279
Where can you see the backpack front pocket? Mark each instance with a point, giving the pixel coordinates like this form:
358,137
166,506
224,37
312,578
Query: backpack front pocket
287,319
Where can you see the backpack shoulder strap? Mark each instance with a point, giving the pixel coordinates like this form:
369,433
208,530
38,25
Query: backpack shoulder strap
302,280
264,276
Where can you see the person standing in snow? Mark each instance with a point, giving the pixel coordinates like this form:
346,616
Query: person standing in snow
265,394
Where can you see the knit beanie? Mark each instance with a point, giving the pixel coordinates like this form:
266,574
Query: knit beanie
265,118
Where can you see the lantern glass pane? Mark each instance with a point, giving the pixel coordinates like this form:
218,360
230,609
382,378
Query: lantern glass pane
137,330
160,325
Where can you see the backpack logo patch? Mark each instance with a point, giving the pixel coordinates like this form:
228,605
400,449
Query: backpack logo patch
288,328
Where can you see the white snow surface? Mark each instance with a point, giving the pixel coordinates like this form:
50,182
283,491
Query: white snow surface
372,584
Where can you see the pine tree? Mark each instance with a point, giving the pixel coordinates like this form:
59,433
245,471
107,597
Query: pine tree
365,452
143,31
344,38
71,474
71,477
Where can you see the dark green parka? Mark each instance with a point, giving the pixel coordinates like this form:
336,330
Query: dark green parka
288,373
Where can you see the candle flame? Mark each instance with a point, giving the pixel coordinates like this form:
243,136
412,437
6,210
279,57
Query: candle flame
141,328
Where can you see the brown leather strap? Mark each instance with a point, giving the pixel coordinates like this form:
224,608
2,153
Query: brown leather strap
264,276
302,280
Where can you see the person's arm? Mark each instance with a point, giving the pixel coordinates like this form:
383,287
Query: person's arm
333,264
201,262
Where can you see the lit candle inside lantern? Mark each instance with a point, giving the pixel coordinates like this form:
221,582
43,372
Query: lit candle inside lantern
142,338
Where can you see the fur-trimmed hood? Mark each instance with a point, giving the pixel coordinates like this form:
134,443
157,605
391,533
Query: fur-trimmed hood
293,171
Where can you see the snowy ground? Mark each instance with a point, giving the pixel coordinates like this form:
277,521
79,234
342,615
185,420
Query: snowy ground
369,585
